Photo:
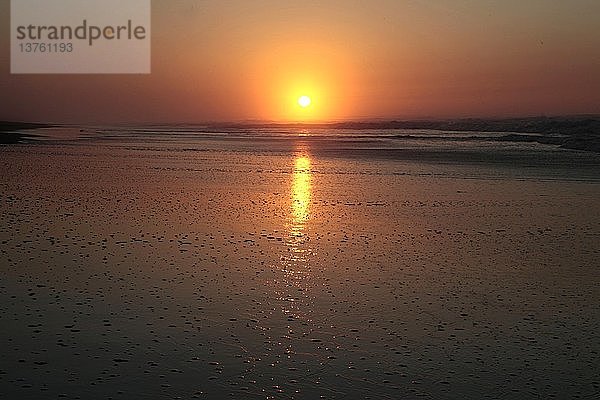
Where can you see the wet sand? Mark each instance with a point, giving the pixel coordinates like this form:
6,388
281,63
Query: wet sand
237,273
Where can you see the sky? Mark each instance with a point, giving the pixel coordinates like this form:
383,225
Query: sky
251,60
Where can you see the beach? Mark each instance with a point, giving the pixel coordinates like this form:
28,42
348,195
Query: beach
297,264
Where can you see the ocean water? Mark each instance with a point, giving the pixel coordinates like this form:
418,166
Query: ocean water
413,151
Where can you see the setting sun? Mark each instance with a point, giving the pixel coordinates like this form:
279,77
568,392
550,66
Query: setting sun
304,101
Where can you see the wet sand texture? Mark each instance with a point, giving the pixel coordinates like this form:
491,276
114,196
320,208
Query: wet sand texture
131,273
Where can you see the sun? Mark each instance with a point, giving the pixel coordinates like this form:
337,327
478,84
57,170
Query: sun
304,101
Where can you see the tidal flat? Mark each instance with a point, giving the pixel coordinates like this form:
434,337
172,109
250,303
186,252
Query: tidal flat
292,269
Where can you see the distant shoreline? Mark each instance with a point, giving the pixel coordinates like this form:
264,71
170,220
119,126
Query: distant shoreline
10,132
577,133
574,133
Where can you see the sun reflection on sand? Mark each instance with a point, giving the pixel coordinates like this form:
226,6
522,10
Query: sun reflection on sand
295,263
301,191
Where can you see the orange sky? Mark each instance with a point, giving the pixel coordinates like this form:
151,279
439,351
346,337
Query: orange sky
238,60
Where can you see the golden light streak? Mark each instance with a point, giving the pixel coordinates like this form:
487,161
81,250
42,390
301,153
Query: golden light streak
301,193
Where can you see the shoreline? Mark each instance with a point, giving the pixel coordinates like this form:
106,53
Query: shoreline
10,132
573,133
